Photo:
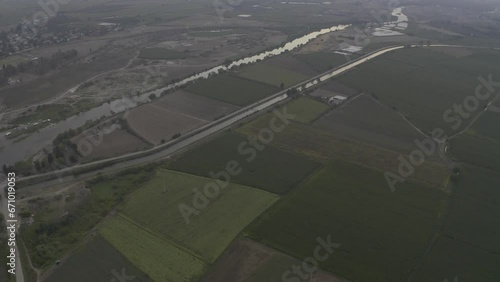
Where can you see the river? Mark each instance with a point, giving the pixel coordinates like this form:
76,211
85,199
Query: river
12,152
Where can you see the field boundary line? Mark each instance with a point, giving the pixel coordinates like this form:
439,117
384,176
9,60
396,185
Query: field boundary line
173,112
473,121
97,166
402,116
247,187
88,235
442,220
171,241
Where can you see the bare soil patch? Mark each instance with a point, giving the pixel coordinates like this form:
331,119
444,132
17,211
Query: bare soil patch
247,260
115,143
176,113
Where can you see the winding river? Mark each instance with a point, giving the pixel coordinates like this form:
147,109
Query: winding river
12,152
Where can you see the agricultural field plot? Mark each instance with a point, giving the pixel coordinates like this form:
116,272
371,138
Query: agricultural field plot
231,89
158,125
153,255
451,259
306,109
486,126
324,146
291,63
423,83
64,219
194,105
477,150
480,144
118,142
339,88
271,169
208,232
176,113
381,234
322,61
365,120
161,54
250,261
96,260
271,74
475,209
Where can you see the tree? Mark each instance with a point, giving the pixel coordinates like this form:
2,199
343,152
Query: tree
38,167
50,158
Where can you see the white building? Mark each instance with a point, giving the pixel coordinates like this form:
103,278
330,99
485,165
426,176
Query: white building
337,100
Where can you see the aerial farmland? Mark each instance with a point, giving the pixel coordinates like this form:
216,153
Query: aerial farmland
260,141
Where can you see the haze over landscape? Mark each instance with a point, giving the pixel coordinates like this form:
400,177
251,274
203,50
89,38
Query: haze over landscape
250,140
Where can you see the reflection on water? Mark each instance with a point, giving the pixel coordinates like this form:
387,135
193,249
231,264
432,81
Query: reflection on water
13,152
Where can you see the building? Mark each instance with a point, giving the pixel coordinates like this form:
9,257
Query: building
337,100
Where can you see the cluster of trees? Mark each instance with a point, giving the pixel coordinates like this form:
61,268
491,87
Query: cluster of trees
64,153
41,65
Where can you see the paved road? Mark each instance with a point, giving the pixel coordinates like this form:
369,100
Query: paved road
137,158
208,129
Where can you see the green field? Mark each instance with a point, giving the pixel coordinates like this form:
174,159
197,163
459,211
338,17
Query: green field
476,150
468,247
52,235
95,261
423,83
480,144
365,120
231,89
12,60
155,256
382,234
306,109
475,209
450,259
324,146
487,126
272,169
272,75
321,61
161,54
156,206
